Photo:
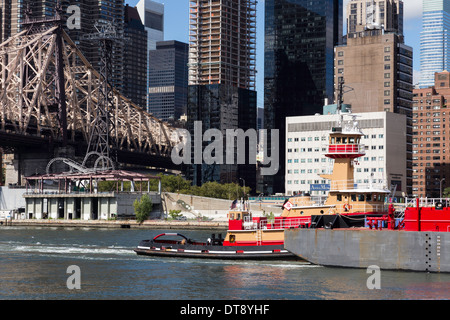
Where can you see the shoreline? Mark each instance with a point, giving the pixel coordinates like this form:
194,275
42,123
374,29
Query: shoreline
121,224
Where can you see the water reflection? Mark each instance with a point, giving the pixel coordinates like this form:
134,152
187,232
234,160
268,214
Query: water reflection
33,263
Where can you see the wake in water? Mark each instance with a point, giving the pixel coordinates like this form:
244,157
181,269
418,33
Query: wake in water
93,252
86,251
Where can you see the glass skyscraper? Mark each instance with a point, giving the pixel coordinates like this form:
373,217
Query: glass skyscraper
168,78
300,36
434,40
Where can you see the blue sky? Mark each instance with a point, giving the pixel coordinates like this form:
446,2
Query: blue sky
176,27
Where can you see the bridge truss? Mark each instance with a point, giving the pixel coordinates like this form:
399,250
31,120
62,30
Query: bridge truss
49,90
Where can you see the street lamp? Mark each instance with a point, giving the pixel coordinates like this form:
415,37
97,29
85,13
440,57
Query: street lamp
440,187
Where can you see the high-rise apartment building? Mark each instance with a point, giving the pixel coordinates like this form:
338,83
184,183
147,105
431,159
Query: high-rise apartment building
431,138
375,14
378,67
222,80
5,20
298,64
135,58
152,16
434,40
222,43
168,77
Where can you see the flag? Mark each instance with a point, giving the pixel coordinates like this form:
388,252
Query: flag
287,205
233,205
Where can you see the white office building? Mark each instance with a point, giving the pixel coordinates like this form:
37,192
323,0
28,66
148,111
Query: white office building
384,163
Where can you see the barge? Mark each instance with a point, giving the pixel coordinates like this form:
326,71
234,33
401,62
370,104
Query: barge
418,241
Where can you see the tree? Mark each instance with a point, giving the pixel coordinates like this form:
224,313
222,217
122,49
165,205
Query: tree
175,214
446,193
143,208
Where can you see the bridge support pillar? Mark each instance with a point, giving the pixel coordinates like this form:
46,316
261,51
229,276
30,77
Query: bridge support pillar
25,163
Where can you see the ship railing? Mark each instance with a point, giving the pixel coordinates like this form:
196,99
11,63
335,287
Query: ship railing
339,185
352,207
427,202
284,223
313,201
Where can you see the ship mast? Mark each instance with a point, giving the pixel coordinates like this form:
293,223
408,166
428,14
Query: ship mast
340,98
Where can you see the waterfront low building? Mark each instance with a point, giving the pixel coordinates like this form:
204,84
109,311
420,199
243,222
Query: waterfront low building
78,196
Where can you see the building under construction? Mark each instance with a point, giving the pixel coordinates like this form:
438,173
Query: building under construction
222,40
221,93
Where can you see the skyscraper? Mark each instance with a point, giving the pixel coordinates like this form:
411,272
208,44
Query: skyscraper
152,16
222,79
5,20
223,43
434,40
370,14
300,36
135,58
168,78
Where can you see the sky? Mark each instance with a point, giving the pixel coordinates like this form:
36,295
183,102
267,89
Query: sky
176,27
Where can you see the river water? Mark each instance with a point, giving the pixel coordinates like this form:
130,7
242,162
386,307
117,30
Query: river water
34,264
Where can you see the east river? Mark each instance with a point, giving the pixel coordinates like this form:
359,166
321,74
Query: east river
34,265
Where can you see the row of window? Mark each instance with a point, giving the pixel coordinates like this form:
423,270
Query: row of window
317,160
324,138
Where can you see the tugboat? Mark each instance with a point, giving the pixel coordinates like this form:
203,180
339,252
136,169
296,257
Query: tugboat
233,246
250,237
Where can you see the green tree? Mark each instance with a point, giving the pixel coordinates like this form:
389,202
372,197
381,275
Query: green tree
143,208
174,183
446,193
175,214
